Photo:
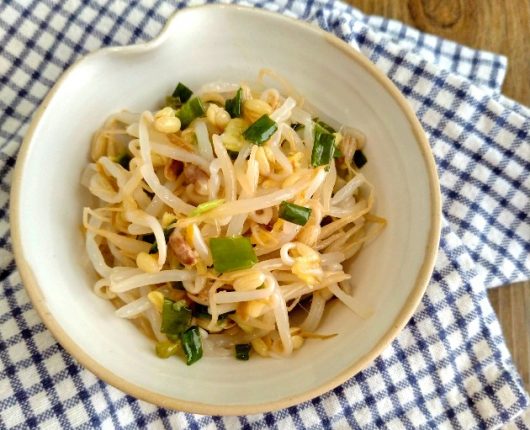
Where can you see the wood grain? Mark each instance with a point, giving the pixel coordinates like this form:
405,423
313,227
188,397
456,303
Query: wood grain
512,305
502,27
499,26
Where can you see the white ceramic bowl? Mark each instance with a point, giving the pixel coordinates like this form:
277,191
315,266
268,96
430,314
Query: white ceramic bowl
200,45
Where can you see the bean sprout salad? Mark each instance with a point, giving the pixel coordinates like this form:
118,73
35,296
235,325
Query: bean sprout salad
225,213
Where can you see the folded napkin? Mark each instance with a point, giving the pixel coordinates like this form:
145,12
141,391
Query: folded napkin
448,368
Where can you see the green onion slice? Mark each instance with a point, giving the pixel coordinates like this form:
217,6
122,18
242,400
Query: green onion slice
242,351
261,130
325,126
182,92
206,207
176,317
191,344
166,349
232,253
294,213
190,110
233,106
323,147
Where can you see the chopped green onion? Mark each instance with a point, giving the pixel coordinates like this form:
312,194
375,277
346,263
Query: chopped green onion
294,213
323,147
190,110
232,253
359,159
318,131
191,344
124,159
182,92
242,351
166,349
261,130
325,126
176,317
233,106
206,206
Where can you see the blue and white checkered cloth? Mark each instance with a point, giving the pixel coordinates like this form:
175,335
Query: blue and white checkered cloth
448,368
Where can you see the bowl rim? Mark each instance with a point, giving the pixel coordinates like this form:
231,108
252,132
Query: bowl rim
37,298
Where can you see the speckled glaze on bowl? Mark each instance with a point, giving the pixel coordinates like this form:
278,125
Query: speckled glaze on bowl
391,274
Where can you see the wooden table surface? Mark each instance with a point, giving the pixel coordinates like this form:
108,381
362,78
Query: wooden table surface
501,26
